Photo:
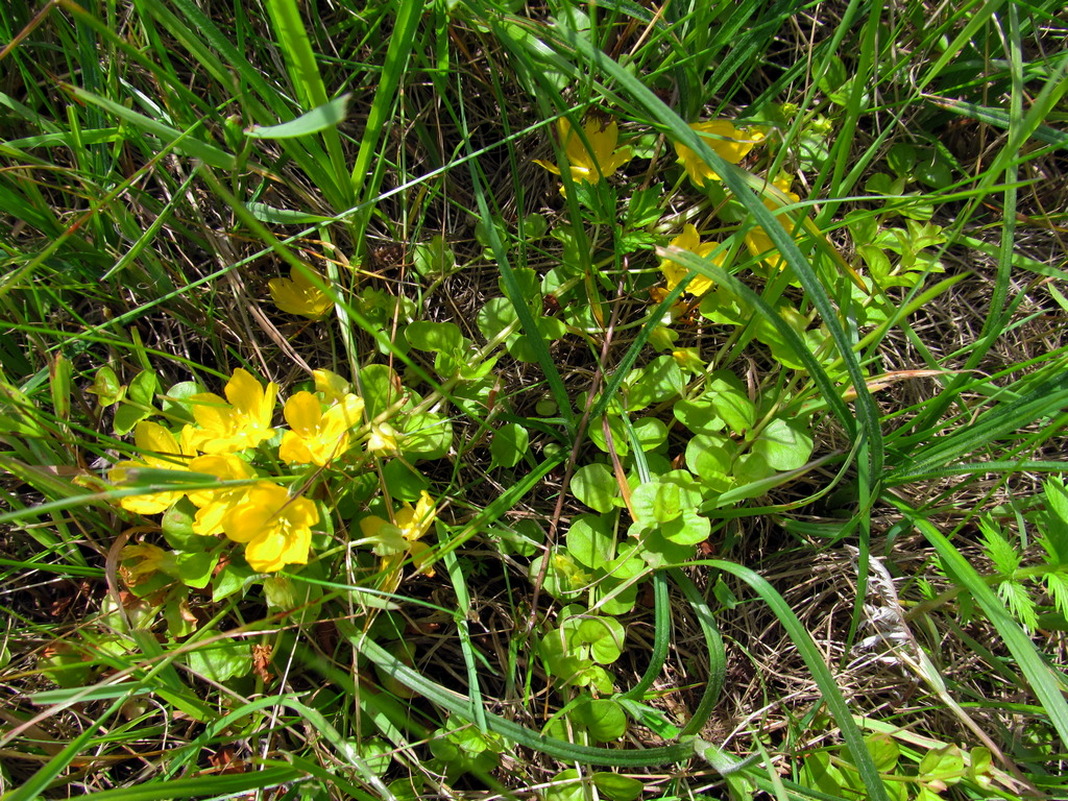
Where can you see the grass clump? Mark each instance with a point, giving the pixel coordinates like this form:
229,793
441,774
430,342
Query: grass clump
567,401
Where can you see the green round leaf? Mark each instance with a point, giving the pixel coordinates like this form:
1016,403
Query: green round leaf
656,382
598,638
603,718
591,541
654,502
595,485
510,443
688,529
440,337
405,483
221,660
616,787
426,436
784,445
650,432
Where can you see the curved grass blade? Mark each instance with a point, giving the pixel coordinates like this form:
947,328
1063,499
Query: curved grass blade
832,696
559,749
213,786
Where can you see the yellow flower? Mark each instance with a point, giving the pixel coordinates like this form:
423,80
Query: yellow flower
141,561
242,423
394,541
383,439
213,504
674,272
730,143
159,450
317,437
275,528
298,295
757,239
590,164
330,385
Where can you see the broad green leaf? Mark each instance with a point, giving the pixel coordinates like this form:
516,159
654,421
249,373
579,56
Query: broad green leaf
379,385
596,486
710,456
175,403
178,527
731,402
509,445
598,638
404,481
654,502
698,415
441,337
650,432
220,661
565,786
656,382
434,258
689,528
195,569
591,541
603,718
106,386
943,765
426,436
563,575
784,445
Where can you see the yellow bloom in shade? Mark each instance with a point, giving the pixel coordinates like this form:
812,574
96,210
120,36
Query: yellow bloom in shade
160,450
395,541
599,160
729,143
330,385
298,295
213,504
757,239
242,423
383,439
674,272
315,436
275,528
141,561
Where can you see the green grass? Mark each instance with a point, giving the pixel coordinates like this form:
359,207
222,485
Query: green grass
803,536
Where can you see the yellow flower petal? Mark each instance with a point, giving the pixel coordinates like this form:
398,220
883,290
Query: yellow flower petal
303,412
674,272
318,437
159,450
592,155
213,504
225,428
332,386
729,143
275,527
298,295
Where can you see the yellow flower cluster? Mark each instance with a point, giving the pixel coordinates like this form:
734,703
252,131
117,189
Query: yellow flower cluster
274,526
732,144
